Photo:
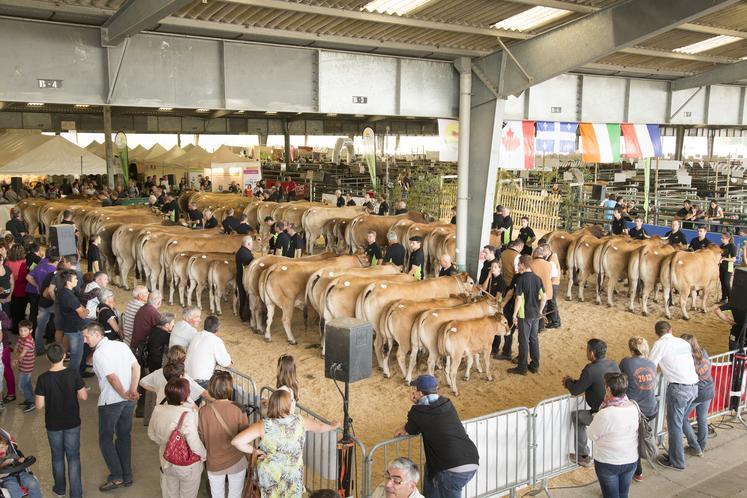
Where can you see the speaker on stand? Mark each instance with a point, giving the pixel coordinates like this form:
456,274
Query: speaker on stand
62,238
738,305
348,344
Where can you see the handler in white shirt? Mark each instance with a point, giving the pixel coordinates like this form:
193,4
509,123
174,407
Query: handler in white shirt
205,352
674,357
186,328
118,372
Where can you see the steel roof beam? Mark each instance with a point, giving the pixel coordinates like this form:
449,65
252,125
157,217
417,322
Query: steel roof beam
730,73
136,16
588,39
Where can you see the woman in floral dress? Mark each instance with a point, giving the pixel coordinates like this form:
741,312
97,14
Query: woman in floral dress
280,453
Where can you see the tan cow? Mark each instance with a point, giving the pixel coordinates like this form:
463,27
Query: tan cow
377,296
580,263
470,338
282,286
199,269
314,219
180,276
441,240
397,325
644,268
615,260
689,272
222,276
124,247
428,326
561,241
358,228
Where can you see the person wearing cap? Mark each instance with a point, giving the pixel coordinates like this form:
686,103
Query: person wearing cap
451,458
416,265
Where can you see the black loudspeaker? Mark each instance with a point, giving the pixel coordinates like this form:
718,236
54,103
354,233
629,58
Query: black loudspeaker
598,192
172,181
738,297
16,183
62,237
348,344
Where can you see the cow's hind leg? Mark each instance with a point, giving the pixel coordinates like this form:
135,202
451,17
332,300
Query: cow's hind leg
470,360
287,319
387,351
684,294
270,315
451,374
486,357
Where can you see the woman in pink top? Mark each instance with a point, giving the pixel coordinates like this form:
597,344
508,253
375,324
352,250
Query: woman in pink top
19,300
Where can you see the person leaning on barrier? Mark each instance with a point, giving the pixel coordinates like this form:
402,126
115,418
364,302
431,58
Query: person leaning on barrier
701,403
451,458
400,480
591,383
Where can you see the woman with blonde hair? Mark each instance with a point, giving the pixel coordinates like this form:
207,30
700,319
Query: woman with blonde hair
219,423
701,403
282,433
641,373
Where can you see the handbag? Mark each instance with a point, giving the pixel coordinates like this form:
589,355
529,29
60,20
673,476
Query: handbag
251,484
647,445
177,449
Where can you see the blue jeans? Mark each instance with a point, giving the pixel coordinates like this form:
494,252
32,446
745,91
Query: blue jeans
115,420
26,388
698,443
446,484
75,339
13,485
679,397
66,445
614,479
42,320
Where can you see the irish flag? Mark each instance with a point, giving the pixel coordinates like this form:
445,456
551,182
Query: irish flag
517,145
641,140
600,142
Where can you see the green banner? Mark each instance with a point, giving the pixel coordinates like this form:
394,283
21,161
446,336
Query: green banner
121,142
369,153
646,185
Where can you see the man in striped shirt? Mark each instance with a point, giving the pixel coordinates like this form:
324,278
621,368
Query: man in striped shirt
139,298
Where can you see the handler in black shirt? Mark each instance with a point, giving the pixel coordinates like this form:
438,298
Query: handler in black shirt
506,228
530,301
282,241
270,222
244,256
497,218
726,266
618,223
372,249
210,220
638,232
526,234
16,226
700,242
349,200
675,235
383,205
296,242
453,216
340,202
195,216
395,252
447,266
230,223
488,253
170,209
243,227
416,266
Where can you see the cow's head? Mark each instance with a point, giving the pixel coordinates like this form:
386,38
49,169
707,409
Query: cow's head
467,284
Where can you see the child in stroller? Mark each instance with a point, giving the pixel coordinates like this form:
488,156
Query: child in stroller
15,477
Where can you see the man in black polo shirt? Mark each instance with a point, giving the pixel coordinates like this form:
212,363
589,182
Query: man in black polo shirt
170,209
684,211
16,226
72,316
383,205
340,200
592,384
282,241
675,235
395,252
453,216
210,221
296,242
447,266
488,253
618,223
195,216
244,256
451,458
230,223
699,242
530,301
270,222
416,265
507,228
349,200
497,218
372,249
243,227
638,232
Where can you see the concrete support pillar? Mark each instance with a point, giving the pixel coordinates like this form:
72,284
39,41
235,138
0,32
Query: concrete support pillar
679,142
262,139
109,145
287,141
464,66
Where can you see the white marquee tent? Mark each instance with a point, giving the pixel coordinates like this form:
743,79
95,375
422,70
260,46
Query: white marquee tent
39,155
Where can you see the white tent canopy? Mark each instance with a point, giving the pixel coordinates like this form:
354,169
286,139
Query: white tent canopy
194,158
32,154
224,157
168,157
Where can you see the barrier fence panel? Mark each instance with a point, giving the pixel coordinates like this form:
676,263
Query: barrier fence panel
543,210
245,393
554,436
503,441
382,453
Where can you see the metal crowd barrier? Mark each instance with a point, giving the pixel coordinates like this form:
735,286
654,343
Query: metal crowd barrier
245,393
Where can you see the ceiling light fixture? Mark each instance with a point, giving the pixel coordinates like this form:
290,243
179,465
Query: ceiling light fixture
398,7
332,115
271,112
165,108
530,19
82,106
239,112
203,110
708,44
34,104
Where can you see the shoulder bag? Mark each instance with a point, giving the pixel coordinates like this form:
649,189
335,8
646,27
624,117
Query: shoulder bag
177,449
251,484
647,447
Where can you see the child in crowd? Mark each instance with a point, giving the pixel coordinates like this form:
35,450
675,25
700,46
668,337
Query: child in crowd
24,362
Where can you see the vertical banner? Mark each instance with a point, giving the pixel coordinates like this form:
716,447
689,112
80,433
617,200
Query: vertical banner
448,134
646,185
369,152
120,140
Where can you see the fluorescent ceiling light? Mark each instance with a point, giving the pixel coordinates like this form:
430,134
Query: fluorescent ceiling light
709,44
165,108
360,115
271,112
35,104
332,115
82,106
532,18
398,7
203,110
239,112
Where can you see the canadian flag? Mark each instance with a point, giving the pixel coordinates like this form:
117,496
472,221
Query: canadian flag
517,145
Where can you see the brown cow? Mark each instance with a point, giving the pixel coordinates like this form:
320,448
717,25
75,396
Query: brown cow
470,338
580,263
314,219
357,229
645,267
688,272
560,241
222,276
615,260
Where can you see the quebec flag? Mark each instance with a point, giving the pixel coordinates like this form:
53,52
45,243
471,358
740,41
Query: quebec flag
556,137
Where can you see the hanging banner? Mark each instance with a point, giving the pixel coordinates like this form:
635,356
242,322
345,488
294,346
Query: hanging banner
517,145
120,140
369,152
448,134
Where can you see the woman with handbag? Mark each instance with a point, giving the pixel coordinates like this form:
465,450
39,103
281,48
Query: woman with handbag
173,426
280,453
614,432
219,422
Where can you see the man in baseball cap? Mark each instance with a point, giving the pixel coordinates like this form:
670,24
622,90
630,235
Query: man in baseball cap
451,458
416,266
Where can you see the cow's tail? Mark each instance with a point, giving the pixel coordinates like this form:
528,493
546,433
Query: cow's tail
673,274
600,255
570,261
310,284
444,338
264,293
387,326
360,303
417,329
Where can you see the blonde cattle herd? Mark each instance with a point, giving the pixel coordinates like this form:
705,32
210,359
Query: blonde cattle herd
448,318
